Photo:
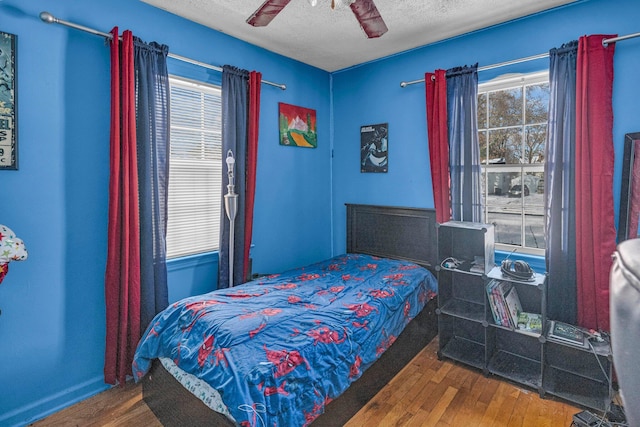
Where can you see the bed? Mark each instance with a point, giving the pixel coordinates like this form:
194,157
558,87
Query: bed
324,340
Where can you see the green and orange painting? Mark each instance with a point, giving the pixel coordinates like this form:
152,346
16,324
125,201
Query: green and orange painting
297,126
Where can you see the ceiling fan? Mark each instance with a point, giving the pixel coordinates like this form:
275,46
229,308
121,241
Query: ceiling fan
365,11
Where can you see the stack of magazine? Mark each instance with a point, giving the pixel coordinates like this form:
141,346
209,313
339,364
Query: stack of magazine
496,293
568,334
507,309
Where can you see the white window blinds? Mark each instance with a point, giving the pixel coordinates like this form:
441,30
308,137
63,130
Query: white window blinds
195,168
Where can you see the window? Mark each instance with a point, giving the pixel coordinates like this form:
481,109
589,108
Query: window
512,128
195,172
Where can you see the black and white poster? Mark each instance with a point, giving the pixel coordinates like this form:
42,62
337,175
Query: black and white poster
374,145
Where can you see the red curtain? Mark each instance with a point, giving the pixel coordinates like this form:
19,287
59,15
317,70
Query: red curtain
595,229
436,92
122,276
255,79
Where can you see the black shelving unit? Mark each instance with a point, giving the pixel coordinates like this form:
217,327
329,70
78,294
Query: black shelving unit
461,299
469,334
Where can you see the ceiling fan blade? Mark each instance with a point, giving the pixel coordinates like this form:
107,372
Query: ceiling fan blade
267,12
370,20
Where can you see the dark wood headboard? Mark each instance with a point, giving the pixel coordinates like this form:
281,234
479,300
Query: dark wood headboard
393,232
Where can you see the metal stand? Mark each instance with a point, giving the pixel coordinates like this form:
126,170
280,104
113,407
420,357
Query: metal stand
231,209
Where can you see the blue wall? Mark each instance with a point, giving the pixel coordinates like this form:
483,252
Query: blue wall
371,93
52,321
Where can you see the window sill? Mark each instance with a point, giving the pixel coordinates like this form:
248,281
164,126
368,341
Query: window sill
519,250
191,261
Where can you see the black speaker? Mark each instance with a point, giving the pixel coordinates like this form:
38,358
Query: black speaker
516,269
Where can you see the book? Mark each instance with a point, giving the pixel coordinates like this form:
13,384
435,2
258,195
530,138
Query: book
492,303
496,290
566,333
513,305
530,323
501,291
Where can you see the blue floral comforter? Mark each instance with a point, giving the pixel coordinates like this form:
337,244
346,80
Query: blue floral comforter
280,348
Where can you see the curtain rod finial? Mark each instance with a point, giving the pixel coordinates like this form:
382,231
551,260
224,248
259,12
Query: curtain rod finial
47,17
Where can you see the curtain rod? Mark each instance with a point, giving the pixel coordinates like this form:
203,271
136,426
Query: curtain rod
605,43
50,19
490,67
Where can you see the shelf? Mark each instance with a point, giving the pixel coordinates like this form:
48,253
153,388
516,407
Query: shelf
516,368
576,362
602,349
537,280
456,270
465,351
577,389
517,331
465,309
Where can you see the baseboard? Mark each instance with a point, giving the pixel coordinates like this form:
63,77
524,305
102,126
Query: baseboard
49,405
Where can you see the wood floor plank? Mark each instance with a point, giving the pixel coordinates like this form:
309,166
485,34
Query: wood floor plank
399,402
494,406
455,406
489,390
507,407
419,419
469,414
439,409
441,372
428,392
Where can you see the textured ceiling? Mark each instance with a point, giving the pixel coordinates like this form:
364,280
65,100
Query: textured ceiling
331,39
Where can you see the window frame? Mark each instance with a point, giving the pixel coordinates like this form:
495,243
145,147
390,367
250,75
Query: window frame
499,83
214,185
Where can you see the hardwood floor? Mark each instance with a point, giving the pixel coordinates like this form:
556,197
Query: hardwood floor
430,392
427,392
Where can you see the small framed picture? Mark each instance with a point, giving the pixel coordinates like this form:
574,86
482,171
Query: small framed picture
8,109
297,126
374,147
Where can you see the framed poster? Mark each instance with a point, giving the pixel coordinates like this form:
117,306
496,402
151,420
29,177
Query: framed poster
629,215
8,138
297,126
374,141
